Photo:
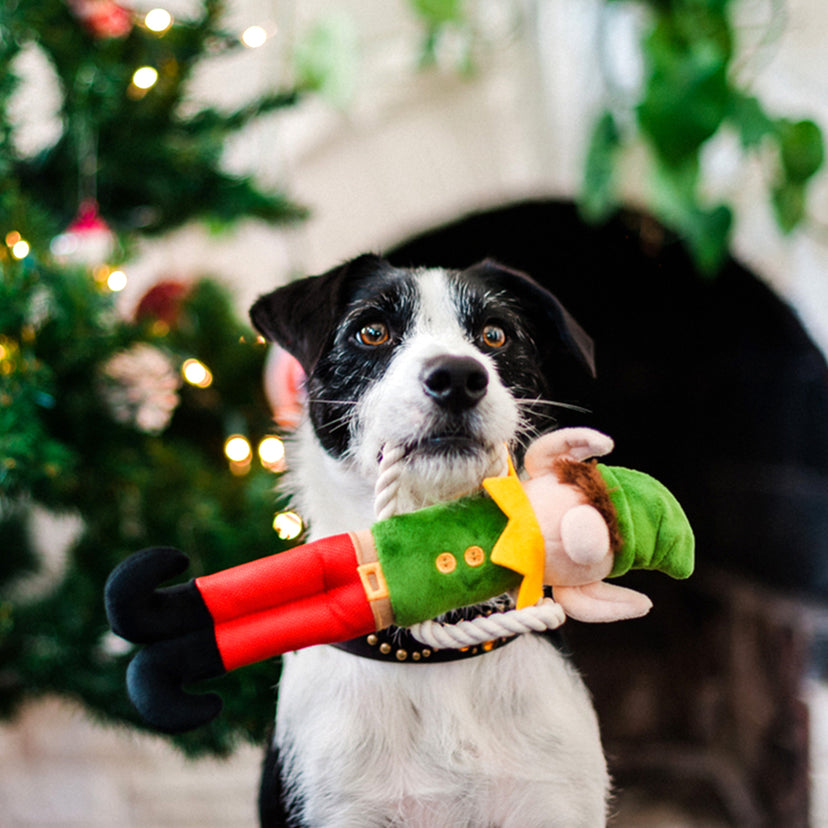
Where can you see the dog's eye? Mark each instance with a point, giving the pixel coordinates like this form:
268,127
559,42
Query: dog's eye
493,336
374,334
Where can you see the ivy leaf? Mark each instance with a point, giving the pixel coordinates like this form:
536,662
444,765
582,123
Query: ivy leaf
705,231
753,123
686,94
708,236
801,149
788,198
598,193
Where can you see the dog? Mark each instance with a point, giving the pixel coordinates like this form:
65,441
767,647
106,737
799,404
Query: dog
449,366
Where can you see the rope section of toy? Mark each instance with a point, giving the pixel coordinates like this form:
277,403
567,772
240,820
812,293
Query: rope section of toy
545,615
387,486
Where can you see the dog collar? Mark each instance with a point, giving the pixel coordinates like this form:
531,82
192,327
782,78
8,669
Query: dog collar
397,645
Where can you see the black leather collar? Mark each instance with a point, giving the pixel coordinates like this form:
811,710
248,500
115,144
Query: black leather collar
396,644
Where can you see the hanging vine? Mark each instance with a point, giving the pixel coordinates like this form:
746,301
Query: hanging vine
689,94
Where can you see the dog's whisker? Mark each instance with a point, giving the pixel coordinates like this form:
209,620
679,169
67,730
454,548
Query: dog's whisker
524,403
337,421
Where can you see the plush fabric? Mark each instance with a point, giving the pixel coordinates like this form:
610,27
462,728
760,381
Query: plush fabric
656,533
408,547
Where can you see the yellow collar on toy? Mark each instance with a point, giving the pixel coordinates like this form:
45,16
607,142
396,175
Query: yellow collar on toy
520,547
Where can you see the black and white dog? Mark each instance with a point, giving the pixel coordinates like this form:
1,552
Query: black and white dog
451,365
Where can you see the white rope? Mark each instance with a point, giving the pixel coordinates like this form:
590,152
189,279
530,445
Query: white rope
387,486
545,615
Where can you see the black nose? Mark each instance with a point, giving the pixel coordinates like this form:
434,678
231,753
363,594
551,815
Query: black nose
456,383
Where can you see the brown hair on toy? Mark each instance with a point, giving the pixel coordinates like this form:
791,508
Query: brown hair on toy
587,479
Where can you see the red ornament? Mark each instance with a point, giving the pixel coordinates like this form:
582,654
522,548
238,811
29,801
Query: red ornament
103,19
87,240
163,302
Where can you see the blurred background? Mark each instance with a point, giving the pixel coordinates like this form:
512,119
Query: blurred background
657,163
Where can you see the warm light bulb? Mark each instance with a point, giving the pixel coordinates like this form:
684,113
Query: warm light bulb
158,20
237,448
287,525
145,77
20,249
196,373
253,37
271,452
116,281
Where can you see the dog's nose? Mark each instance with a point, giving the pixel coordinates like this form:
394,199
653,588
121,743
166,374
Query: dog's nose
456,383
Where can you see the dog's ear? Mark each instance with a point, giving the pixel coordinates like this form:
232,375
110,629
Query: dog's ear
302,315
544,309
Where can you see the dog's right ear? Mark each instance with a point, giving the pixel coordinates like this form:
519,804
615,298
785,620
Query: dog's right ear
302,315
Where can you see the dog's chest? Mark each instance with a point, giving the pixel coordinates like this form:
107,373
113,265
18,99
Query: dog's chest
457,744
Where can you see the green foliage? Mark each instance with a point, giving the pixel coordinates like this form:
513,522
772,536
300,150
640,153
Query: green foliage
129,457
447,18
689,95
128,487
598,197
150,163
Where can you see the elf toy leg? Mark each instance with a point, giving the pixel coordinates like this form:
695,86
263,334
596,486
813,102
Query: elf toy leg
312,594
309,595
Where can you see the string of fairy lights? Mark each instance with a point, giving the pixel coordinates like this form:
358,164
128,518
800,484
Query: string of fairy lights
238,450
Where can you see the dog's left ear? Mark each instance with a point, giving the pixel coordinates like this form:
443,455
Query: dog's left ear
302,315
545,308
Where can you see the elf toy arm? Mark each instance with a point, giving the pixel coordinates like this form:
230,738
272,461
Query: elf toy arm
564,527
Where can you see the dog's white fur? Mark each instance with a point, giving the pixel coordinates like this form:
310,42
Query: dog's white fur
505,739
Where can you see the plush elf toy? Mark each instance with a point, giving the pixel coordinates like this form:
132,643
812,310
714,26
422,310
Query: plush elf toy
569,525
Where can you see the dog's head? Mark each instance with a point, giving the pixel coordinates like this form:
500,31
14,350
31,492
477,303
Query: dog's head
449,365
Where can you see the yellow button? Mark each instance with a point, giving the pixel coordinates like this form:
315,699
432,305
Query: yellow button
474,556
445,563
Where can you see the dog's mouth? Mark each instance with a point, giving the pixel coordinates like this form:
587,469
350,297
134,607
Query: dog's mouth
454,443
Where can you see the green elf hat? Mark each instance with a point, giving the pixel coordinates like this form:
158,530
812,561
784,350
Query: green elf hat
655,530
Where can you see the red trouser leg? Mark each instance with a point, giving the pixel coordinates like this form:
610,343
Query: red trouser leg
311,594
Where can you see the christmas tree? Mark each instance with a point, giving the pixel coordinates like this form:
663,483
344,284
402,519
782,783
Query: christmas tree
130,432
